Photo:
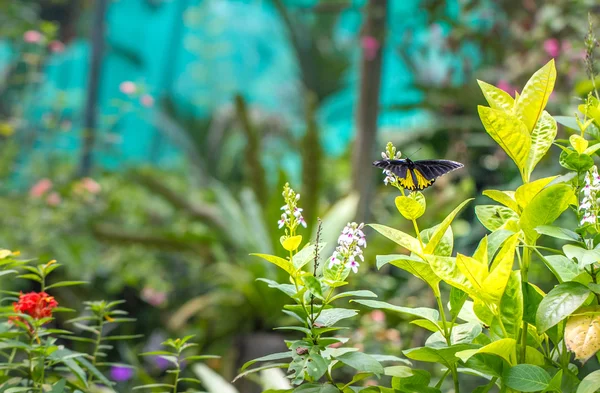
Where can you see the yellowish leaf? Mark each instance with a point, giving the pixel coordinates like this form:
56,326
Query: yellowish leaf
495,283
578,143
582,333
542,138
291,243
474,270
411,207
507,198
506,348
509,132
496,98
481,254
535,94
528,191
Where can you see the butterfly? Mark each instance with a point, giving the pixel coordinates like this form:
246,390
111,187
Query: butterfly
417,175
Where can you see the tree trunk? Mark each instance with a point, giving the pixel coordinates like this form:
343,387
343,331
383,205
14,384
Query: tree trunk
91,105
373,39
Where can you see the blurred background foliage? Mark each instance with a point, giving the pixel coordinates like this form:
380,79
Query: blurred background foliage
156,175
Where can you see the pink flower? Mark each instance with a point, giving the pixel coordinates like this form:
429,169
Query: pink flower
153,297
56,46
552,47
147,100
40,188
370,46
53,199
127,87
32,36
91,185
507,87
378,316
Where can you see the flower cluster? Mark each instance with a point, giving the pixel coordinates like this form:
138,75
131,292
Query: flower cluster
292,214
589,204
350,245
36,304
390,154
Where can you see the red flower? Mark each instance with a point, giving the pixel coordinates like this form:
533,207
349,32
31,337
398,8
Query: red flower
38,305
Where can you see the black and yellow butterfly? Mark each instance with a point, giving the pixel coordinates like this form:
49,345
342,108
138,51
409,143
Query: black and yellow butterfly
417,175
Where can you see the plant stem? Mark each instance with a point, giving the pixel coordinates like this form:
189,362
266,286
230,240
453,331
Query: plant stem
418,233
524,279
97,344
455,378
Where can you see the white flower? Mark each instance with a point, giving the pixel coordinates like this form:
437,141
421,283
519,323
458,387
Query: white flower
301,221
353,265
297,212
333,261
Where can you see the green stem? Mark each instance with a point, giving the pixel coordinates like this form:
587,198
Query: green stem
418,233
177,372
524,278
97,345
455,378
439,384
444,322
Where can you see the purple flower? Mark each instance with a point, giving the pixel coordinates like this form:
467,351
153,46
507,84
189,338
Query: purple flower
121,373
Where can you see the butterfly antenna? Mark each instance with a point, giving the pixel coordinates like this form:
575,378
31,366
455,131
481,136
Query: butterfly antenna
414,152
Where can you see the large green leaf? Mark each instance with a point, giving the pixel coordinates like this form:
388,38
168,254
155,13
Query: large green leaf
526,378
461,334
446,243
509,132
330,316
494,217
559,303
590,384
403,239
411,207
447,269
475,271
446,356
545,208
414,266
278,261
562,267
361,362
583,256
535,94
511,307
422,312
504,348
441,228
496,98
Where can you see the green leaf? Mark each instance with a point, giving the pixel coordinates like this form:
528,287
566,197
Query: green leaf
361,362
267,358
313,285
316,388
58,387
590,384
415,266
443,227
211,381
288,289
558,232
544,208
509,132
583,256
567,121
535,94
575,161
511,307
495,283
542,137
446,268
496,98
445,356
526,378
398,371
445,245
400,238
257,369
504,348
411,207
331,316
422,312
494,217
359,293
559,303
457,301
562,267
306,255
280,262
67,284
461,334
506,198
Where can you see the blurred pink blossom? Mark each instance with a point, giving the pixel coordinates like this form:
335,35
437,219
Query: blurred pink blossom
378,316
127,87
40,188
91,185
147,100
507,87
32,36
153,297
53,199
56,46
552,47
370,47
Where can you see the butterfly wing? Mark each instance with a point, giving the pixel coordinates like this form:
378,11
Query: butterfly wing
418,175
432,169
